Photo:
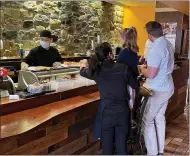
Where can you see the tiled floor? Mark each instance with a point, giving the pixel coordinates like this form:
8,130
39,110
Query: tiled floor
177,137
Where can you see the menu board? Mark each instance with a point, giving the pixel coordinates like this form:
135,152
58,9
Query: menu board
170,30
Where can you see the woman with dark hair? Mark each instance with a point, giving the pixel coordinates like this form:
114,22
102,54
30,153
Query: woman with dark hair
112,119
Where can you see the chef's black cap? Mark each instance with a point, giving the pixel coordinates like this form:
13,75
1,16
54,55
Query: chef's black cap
45,33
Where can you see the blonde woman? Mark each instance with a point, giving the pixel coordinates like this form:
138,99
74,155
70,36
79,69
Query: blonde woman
128,55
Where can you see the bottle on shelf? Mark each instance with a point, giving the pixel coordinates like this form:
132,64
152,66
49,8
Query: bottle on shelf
21,52
1,44
92,47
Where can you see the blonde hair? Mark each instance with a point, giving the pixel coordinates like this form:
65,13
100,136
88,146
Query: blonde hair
131,39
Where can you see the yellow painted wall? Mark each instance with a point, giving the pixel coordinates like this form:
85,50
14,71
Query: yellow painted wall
138,16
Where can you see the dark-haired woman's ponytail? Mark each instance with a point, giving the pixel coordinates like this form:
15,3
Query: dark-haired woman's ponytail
94,62
101,53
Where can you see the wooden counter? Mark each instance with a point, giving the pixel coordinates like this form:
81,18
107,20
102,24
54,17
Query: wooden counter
75,57
61,127
61,122
177,102
15,58
31,118
13,106
16,62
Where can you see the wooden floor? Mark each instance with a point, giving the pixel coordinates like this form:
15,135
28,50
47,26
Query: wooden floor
177,137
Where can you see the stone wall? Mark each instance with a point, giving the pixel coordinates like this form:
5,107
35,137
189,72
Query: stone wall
76,23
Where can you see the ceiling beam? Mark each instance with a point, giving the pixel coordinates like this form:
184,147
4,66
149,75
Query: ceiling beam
118,3
181,6
133,3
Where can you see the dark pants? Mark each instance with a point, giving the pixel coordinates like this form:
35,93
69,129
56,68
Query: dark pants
115,128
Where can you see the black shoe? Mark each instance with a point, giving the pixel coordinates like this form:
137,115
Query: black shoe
160,154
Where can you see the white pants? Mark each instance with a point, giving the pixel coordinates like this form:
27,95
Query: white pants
186,109
154,124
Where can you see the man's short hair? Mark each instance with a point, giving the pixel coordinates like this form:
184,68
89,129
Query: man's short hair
45,33
154,28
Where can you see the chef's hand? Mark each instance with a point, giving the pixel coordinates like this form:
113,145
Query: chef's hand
24,66
56,64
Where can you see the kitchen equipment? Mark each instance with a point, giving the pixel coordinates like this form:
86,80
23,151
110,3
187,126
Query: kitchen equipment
26,78
4,93
13,97
38,88
8,84
26,95
1,44
62,84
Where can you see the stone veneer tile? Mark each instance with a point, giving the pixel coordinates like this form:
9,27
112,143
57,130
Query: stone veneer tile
75,23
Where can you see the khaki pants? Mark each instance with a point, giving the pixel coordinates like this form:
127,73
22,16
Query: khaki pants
154,123
186,109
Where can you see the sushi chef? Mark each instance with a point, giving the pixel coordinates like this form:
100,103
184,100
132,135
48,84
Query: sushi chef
43,55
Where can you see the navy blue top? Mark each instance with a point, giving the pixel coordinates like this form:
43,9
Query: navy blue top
112,79
130,58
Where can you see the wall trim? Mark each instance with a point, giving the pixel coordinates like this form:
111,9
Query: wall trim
165,10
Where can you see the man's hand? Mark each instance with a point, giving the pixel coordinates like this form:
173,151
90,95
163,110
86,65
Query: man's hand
143,69
149,72
141,59
56,64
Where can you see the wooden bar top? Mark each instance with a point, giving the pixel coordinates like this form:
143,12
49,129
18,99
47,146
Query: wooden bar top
18,58
20,122
13,106
10,58
65,57
6,100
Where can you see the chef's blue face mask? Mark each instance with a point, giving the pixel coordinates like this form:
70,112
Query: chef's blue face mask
44,44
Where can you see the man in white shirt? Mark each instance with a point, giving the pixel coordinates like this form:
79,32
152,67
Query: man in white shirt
147,48
160,65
